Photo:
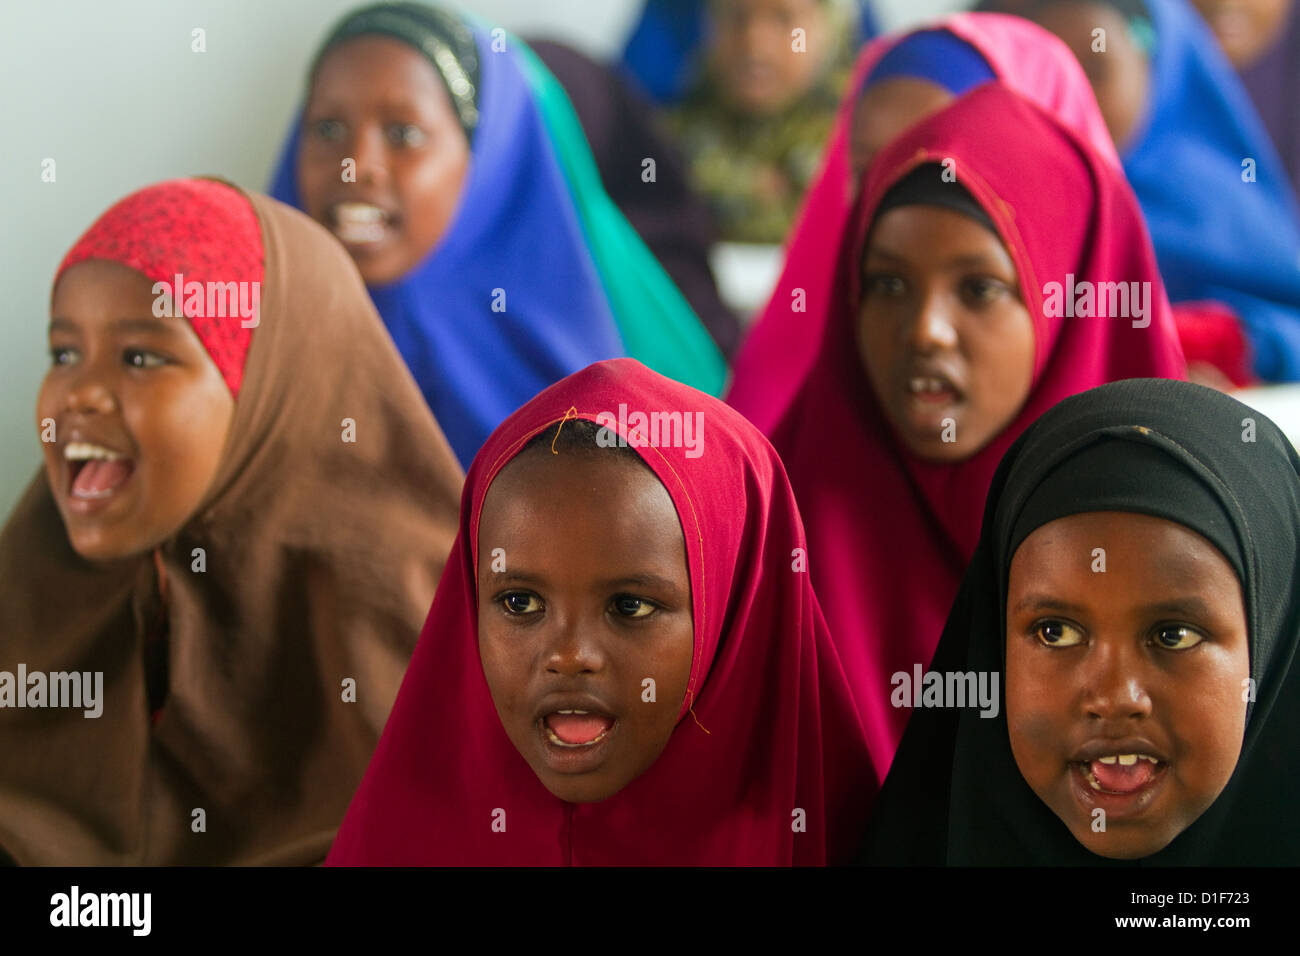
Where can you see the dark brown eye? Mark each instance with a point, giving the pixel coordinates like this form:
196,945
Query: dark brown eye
1058,634
406,134
882,284
626,605
1176,637
327,130
520,602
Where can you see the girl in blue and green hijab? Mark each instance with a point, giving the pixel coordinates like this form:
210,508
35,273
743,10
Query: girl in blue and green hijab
450,165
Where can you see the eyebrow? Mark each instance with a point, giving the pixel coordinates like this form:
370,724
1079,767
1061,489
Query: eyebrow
1190,605
975,260
643,579
1046,602
150,326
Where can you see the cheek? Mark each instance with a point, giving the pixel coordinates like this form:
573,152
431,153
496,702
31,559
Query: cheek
1002,358
1209,712
313,170
430,185
181,430
1033,699
500,666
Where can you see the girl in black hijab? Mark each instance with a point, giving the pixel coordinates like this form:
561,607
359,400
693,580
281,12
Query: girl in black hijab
1135,592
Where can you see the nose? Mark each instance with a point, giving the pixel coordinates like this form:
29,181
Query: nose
932,328
1113,684
571,650
371,154
90,394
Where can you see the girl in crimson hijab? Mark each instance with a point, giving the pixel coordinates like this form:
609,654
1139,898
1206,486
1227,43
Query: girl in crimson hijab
625,662
243,514
897,81
997,263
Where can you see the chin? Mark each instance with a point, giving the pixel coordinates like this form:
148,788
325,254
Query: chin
1136,848
94,548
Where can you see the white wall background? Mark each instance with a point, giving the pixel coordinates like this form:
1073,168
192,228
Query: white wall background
112,92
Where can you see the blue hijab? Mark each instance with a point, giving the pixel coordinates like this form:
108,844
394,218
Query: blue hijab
515,237
660,55
1216,236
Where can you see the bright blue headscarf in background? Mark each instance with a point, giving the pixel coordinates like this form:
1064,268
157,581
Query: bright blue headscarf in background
1216,237
661,50
515,230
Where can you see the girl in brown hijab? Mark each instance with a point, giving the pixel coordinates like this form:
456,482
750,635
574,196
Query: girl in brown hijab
209,594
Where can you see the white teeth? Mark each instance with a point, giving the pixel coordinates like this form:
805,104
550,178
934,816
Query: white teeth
359,212
925,384
571,712
84,451
1126,760
359,222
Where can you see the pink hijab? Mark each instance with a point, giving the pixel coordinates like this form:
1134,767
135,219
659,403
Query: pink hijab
775,355
889,534
782,735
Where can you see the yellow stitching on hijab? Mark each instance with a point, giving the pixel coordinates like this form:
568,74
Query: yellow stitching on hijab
573,411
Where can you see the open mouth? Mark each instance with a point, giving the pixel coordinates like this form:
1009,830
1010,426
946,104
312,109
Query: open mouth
932,389
576,728
1121,774
95,473
360,223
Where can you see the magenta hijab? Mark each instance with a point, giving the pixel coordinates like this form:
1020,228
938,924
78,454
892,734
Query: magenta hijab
776,354
768,762
890,534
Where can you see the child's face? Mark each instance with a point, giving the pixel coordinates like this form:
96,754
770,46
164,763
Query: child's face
140,410
594,599
378,102
754,56
1120,75
1246,29
888,108
946,341
1147,659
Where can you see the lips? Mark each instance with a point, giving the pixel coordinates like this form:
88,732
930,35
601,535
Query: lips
576,732
1122,773
1121,776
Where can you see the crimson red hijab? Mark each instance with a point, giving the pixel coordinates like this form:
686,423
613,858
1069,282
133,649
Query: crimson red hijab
889,534
776,353
765,681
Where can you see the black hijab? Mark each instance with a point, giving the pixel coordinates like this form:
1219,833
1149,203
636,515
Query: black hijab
1173,450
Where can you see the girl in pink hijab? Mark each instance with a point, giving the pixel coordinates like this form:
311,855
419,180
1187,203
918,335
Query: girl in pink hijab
994,263
897,81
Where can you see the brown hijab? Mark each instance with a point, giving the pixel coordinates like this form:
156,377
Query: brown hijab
322,558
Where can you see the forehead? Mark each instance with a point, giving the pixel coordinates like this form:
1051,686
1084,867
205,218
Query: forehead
593,509
98,288
933,233
1142,553
368,66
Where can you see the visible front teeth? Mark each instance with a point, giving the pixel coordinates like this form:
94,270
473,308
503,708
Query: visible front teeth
359,222
921,384
359,212
1126,760
570,711
84,451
